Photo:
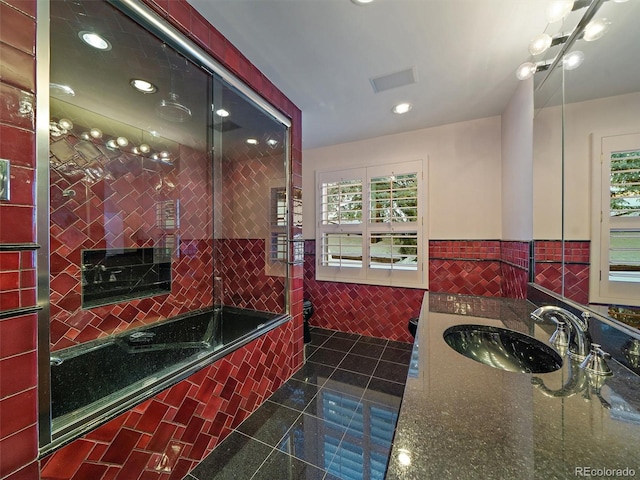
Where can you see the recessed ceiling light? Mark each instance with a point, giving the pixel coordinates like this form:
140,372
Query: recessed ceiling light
221,112
94,40
252,141
402,108
361,2
143,86
272,142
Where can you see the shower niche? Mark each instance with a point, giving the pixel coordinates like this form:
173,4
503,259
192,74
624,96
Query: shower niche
118,275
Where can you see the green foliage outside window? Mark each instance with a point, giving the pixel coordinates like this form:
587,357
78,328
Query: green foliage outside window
625,184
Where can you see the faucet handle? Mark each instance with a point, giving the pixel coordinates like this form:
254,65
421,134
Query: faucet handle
586,317
560,338
595,363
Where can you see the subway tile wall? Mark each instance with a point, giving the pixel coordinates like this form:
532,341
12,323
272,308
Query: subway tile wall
136,189
515,268
187,430
549,271
18,357
370,310
245,283
166,436
490,268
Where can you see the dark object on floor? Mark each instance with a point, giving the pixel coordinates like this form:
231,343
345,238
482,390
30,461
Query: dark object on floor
307,311
413,326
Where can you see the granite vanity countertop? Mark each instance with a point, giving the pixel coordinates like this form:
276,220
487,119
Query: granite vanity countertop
461,419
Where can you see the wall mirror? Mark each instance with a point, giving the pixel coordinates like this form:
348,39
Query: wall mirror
587,168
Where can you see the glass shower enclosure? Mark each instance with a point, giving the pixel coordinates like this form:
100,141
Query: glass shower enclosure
167,213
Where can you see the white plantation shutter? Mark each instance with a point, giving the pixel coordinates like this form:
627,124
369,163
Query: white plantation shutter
370,227
614,277
624,213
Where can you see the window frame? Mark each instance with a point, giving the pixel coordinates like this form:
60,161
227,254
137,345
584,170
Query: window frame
602,289
277,244
366,273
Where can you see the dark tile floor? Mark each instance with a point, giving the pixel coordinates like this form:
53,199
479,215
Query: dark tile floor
334,419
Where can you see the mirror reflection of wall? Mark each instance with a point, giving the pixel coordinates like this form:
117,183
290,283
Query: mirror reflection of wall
601,105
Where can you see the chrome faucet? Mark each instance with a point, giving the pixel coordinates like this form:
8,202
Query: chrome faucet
579,340
580,379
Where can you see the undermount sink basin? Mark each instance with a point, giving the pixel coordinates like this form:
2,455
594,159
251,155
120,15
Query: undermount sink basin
502,348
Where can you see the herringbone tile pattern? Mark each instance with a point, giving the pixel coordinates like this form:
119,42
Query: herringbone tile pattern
166,436
120,211
326,422
549,272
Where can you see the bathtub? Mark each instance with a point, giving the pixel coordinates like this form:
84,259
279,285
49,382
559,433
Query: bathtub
94,382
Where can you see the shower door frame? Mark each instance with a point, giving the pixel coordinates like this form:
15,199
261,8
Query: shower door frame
158,26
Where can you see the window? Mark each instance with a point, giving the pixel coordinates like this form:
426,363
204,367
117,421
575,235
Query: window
370,226
616,240
278,243
276,251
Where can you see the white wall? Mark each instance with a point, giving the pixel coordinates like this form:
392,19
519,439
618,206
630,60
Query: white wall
517,164
464,174
609,115
547,174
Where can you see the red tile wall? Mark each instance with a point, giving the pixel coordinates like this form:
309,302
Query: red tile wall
465,249
364,309
18,358
466,277
515,268
549,271
166,444
479,267
491,268
134,187
17,279
245,283
18,394
166,436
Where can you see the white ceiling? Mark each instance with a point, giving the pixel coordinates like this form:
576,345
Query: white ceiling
323,53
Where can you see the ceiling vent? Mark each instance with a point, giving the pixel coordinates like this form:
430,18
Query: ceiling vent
394,80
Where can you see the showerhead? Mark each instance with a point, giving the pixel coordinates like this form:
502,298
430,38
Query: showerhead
172,110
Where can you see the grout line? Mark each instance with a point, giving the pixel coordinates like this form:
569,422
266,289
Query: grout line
314,397
263,462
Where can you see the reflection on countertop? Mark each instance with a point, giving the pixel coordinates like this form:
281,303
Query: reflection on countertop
462,419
